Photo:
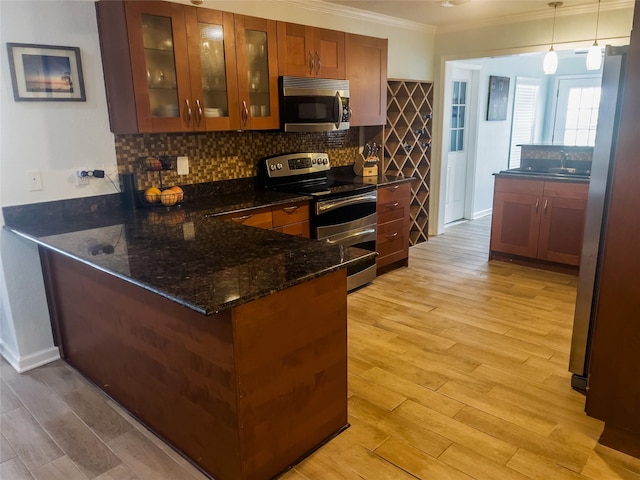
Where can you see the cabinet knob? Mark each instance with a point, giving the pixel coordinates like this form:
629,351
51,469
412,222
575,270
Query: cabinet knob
310,62
317,63
290,209
392,205
245,113
187,111
391,236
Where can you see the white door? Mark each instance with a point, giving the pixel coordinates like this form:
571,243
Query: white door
457,158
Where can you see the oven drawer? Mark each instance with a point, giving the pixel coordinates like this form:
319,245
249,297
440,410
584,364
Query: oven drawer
259,217
291,213
391,240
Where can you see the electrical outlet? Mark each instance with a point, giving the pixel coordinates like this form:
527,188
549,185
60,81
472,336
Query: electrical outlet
80,179
183,165
35,180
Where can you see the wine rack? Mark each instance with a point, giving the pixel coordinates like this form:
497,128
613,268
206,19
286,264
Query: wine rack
407,146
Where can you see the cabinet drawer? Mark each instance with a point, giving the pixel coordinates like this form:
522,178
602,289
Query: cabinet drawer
259,217
299,229
394,193
391,237
291,213
523,187
578,191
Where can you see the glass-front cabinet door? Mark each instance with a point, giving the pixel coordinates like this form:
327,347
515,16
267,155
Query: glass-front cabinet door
256,48
160,66
212,60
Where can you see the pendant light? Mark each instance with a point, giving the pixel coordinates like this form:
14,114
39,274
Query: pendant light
550,63
594,55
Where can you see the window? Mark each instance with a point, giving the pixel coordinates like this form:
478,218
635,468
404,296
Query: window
582,116
458,111
577,107
525,109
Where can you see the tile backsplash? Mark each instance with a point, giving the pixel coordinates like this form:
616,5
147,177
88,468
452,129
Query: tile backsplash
217,156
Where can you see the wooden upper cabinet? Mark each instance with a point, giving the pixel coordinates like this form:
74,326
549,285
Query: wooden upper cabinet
159,65
170,67
212,65
305,51
366,69
257,55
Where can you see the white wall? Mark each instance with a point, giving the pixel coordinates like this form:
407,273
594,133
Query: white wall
574,31
57,138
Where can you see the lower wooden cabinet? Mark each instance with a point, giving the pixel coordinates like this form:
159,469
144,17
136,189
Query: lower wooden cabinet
392,242
538,219
290,218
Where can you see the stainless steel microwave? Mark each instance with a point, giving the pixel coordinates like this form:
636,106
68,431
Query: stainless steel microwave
313,104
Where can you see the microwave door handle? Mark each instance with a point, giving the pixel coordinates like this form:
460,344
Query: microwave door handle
338,110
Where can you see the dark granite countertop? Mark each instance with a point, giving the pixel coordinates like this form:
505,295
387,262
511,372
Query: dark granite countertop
183,253
202,263
563,177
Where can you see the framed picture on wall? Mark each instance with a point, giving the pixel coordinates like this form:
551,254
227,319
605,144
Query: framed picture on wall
498,98
46,73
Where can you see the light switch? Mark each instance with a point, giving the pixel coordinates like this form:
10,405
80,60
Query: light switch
183,165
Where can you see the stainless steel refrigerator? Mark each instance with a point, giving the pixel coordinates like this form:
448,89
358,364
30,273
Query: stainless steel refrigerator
596,215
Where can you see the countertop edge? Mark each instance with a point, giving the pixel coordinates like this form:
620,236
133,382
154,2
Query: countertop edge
543,177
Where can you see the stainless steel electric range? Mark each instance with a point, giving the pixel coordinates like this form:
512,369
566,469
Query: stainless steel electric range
342,211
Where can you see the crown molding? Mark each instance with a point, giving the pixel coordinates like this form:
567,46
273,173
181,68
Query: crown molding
568,11
357,14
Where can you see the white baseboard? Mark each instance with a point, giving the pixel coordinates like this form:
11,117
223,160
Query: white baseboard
28,362
482,213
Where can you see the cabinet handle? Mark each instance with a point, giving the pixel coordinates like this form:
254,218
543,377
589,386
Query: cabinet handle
241,219
245,113
546,202
317,63
393,188
187,110
537,204
310,61
290,209
198,113
391,236
392,206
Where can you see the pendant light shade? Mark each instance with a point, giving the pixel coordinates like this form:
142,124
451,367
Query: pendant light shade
550,63
594,55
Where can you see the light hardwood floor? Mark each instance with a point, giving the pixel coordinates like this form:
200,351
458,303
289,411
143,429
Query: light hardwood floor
457,370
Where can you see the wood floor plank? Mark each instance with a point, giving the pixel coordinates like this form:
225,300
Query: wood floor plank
456,431
477,465
27,438
597,468
571,457
145,459
93,409
60,469
14,469
416,462
539,467
8,399
321,465
377,393
121,472
6,452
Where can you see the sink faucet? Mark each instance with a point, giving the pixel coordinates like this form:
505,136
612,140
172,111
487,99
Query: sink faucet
564,155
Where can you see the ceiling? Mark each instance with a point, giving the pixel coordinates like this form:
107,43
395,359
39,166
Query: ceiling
467,12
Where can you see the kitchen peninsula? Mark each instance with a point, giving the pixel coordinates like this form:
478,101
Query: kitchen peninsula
226,340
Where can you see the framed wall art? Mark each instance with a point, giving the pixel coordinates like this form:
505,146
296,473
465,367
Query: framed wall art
46,73
498,98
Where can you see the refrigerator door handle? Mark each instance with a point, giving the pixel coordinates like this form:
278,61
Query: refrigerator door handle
537,204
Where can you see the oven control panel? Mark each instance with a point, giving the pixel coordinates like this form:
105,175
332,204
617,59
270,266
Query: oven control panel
292,164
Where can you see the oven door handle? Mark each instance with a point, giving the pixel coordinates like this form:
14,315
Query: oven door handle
323,207
352,236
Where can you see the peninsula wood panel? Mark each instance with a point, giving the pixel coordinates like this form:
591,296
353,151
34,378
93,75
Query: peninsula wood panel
292,372
169,366
244,394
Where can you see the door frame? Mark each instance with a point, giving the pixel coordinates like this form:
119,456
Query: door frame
472,135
